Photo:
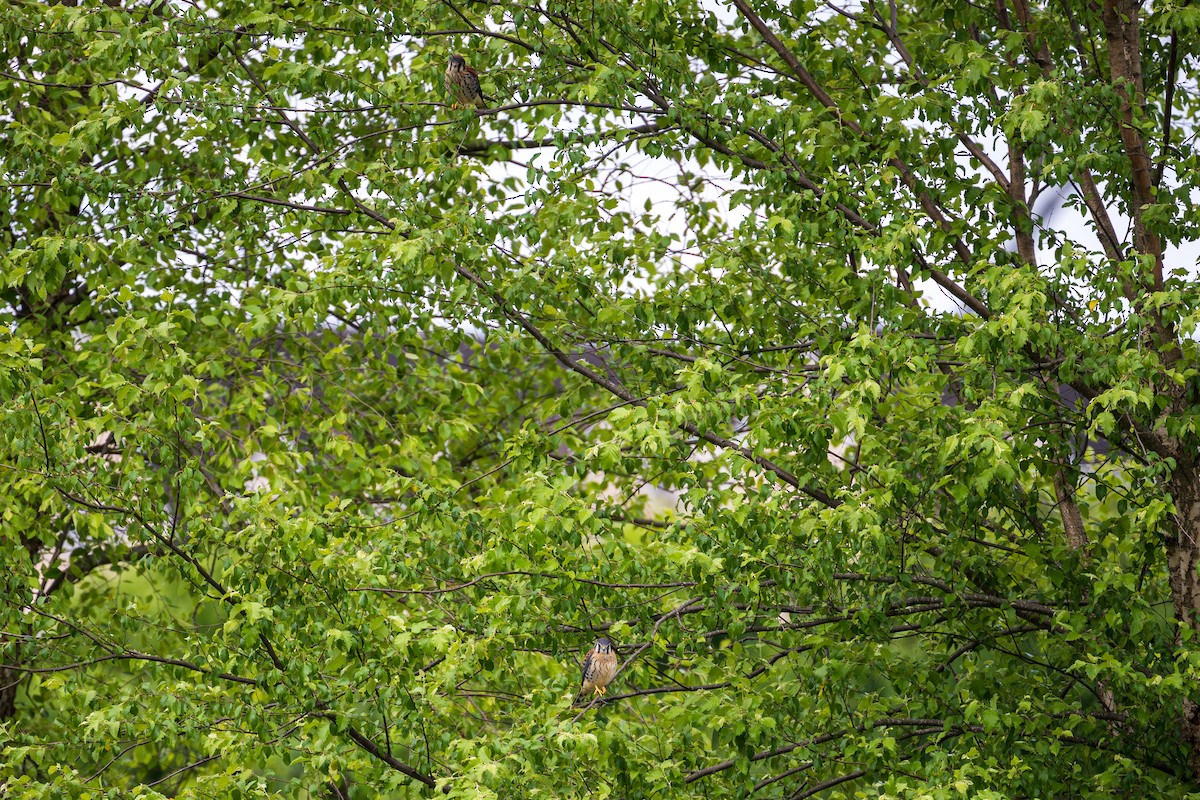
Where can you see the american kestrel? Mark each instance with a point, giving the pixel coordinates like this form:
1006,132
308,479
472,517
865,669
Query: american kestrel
599,668
462,83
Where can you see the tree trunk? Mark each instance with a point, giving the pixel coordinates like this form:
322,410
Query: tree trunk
9,679
1183,559
1121,24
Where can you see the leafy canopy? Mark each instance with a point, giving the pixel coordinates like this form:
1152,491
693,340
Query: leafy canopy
834,361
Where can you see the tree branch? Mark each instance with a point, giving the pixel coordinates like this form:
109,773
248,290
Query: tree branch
1168,105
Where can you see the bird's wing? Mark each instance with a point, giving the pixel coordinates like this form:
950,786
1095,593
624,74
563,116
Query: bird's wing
474,88
587,667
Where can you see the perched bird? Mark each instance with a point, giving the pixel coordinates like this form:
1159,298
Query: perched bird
599,668
462,83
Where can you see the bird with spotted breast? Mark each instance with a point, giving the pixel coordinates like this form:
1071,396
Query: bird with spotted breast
599,668
462,84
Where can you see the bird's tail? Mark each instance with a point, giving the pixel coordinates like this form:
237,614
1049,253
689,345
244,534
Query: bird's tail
587,698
